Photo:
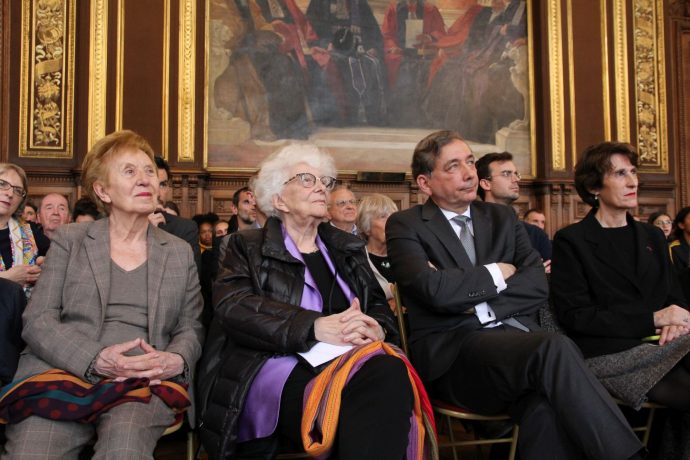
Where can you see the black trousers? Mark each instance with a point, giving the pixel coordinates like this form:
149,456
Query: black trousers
541,381
374,417
12,303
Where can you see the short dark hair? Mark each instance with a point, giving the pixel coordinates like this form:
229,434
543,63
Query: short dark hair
593,165
530,211
85,207
173,206
236,195
162,164
428,150
483,166
680,217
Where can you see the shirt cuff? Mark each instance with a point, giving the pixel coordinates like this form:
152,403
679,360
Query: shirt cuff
484,313
497,276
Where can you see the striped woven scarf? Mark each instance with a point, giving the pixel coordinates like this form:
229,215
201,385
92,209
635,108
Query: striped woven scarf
322,398
59,395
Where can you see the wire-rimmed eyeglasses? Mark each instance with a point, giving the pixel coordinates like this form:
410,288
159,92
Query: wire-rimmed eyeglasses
308,180
19,191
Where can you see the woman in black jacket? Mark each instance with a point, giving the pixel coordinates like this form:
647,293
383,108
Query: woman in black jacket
614,290
282,289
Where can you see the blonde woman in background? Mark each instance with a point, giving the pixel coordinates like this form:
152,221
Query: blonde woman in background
374,211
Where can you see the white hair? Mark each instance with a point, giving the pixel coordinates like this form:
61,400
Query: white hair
274,171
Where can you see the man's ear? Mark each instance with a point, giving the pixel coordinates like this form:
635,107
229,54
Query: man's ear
99,188
423,184
485,184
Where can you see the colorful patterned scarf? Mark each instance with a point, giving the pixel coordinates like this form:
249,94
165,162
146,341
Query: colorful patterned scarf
59,395
322,404
22,242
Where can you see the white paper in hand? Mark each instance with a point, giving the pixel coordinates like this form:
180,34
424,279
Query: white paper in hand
323,352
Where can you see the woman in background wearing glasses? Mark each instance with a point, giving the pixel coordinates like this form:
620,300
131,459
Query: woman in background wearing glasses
283,289
22,244
663,221
22,247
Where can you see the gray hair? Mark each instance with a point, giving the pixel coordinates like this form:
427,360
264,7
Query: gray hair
275,170
371,207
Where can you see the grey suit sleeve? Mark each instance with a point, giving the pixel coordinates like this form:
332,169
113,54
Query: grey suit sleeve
59,343
187,336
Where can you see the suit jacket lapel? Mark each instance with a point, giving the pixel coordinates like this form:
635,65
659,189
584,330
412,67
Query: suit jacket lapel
483,229
97,246
157,259
439,226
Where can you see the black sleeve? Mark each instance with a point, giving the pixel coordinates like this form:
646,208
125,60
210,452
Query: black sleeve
42,241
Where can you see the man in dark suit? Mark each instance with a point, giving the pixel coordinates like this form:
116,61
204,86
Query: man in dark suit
178,226
472,285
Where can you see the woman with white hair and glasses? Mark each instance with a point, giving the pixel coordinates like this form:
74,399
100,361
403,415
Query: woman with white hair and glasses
301,285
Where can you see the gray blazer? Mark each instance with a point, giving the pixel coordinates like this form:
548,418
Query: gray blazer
63,321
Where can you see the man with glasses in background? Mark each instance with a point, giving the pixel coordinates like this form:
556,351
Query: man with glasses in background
342,209
499,182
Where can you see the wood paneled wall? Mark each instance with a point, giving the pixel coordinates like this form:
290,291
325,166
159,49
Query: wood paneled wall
603,70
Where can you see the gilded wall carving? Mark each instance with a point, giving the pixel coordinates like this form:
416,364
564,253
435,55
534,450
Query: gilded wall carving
187,65
650,107
47,81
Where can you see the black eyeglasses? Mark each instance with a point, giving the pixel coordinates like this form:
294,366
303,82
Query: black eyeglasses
308,180
19,191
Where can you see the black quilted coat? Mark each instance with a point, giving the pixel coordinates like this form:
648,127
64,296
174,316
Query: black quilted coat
257,315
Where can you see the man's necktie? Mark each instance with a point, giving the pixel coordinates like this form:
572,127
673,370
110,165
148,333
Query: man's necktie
466,237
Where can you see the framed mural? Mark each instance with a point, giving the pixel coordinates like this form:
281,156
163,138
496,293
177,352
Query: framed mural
366,79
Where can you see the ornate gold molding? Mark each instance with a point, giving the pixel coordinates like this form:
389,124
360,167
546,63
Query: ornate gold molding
557,105
605,74
98,66
532,96
165,97
571,82
185,142
46,113
120,64
620,65
650,85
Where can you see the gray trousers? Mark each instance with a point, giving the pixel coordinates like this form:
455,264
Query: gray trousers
128,431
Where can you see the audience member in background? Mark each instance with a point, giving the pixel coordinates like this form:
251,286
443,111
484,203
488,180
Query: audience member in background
499,183
53,212
220,229
178,226
91,316
205,223
22,247
85,210
613,290
245,202
374,211
663,221
342,209
472,285
282,289
22,244
680,249
535,217
30,213
171,208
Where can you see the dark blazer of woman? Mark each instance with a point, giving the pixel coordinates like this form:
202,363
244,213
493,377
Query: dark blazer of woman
257,316
601,307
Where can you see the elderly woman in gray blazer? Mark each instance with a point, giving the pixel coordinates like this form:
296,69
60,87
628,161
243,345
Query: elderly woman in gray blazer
118,301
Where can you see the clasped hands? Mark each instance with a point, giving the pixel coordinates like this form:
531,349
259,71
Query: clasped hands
112,362
351,327
671,322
